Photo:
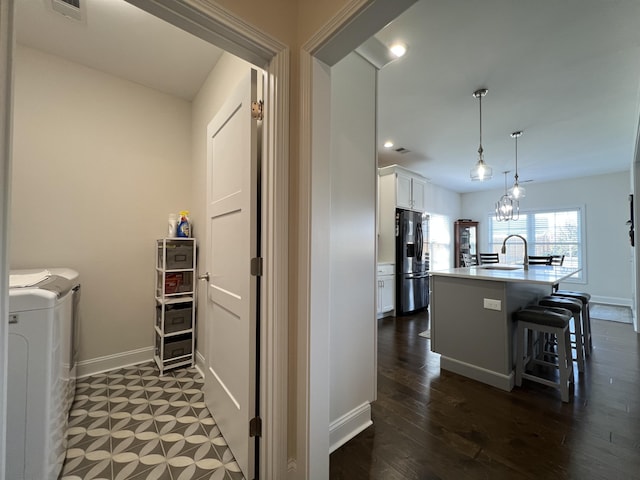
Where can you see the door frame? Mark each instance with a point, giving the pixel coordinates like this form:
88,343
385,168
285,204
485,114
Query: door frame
212,23
7,37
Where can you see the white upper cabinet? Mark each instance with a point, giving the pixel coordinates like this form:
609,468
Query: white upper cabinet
409,187
418,188
404,197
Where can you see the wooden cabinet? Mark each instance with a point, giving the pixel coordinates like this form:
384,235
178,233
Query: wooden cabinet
175,303
466,239
385,294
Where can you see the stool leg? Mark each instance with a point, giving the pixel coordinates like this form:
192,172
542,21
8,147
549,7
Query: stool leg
577,326
531,351
586,332
588,322
521,354
567,342
564,360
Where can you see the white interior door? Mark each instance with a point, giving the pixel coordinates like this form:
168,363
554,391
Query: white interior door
232,241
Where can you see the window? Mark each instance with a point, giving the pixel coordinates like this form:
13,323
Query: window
548,232
439,242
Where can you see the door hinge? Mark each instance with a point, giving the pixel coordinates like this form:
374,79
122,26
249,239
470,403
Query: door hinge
255,427
256,266
257,110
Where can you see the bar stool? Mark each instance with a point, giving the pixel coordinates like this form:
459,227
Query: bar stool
584,297
575,306
541,321
545,341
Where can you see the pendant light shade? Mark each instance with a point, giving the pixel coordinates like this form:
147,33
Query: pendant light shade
507,208
517,191
481,171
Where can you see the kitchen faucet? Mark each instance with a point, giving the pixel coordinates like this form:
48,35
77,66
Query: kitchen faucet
526,257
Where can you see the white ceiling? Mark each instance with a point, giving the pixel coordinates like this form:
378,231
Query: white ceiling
118,38
566,72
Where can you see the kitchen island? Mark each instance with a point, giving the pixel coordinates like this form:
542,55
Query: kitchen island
471,316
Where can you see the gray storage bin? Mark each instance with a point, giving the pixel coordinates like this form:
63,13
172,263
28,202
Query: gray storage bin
176,317
179,255
177,348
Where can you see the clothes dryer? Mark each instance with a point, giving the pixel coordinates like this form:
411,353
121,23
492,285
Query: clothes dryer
41,372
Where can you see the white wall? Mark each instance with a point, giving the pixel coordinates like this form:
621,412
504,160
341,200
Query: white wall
226,74
442,201
352,248
99,163
605,199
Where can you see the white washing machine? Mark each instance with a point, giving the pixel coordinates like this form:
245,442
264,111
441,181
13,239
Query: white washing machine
42,350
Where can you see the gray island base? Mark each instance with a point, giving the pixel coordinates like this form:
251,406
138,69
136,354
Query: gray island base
471,316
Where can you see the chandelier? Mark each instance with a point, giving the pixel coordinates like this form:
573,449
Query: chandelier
481,171
507,208
516,191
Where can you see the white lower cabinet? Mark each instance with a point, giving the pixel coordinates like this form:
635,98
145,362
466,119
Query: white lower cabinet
385,294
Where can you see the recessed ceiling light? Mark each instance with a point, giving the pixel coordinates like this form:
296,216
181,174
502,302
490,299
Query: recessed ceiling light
398,49
388,144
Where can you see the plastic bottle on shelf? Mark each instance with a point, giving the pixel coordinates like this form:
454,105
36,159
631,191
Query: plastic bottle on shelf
173,225
184,227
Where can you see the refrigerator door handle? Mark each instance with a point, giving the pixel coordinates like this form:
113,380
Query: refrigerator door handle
412,276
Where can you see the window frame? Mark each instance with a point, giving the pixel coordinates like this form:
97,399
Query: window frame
579,278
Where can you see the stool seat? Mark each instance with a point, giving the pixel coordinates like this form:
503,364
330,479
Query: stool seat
572,304
553,317
572,293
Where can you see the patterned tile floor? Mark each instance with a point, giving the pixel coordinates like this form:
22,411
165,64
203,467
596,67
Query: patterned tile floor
133,424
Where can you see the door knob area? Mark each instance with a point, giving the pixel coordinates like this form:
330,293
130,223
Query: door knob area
204,276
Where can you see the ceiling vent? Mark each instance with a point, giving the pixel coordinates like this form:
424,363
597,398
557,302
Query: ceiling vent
69,8
402,150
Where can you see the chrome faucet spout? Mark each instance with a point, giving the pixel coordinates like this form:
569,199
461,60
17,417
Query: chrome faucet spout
526,256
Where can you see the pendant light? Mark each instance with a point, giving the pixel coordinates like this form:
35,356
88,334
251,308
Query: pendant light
481,171
517,192
507,208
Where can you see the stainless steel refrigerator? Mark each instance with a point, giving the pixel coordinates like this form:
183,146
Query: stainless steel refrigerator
412,261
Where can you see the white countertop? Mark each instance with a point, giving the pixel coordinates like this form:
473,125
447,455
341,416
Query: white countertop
500,272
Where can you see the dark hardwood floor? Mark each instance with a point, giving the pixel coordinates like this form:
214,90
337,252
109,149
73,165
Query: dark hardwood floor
430,424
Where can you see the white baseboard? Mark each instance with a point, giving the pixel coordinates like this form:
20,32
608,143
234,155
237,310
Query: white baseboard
495,379
200,363
111,362
349,425
618,301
